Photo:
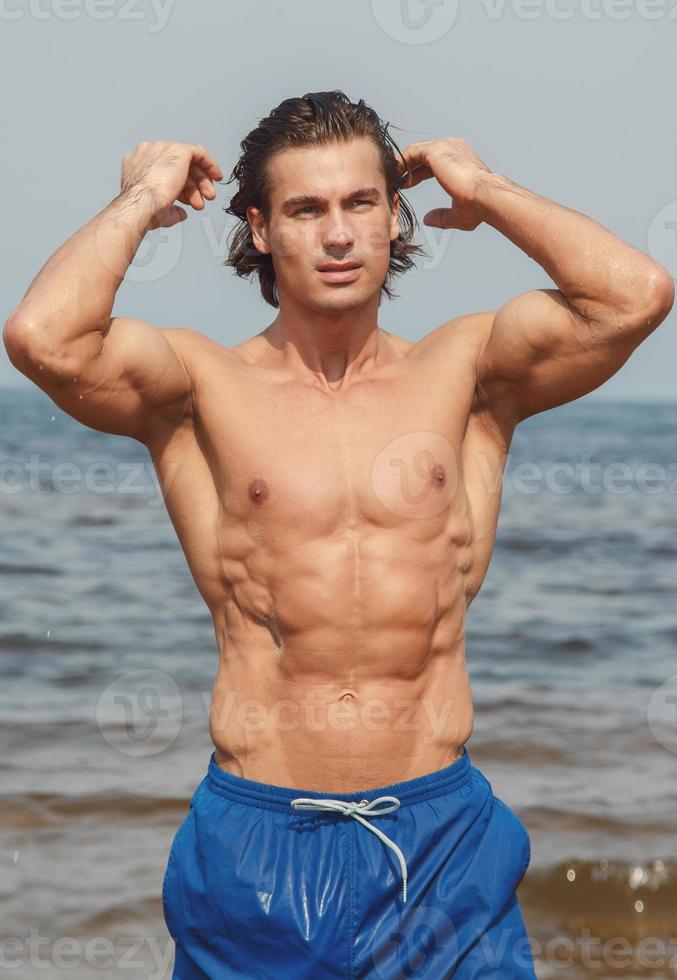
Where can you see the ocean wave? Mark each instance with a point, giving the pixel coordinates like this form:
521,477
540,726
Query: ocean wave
37,810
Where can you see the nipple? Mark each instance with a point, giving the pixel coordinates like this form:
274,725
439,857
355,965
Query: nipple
258,491
439,476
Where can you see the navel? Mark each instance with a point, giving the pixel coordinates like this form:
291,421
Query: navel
258,491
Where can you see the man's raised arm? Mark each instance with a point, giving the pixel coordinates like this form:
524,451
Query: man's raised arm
546,347
116,374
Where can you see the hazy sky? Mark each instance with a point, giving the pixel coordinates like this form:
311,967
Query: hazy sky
573,99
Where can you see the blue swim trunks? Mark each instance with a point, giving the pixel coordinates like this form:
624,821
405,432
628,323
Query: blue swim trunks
413,880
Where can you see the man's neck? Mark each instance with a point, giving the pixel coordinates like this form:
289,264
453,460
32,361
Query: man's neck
334,348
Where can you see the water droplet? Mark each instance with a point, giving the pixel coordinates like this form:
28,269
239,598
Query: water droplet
637,877
571,874
16,856
49,632
53,417
79,396
639,905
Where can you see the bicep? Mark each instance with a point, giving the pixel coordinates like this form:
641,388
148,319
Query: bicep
132,376
540,353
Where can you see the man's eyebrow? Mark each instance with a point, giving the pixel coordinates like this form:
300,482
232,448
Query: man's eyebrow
311,199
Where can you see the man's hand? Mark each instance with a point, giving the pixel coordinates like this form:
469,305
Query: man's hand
456,166
168,172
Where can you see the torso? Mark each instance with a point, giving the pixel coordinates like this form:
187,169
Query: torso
338,538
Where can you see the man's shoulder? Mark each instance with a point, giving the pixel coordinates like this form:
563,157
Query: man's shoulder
188,340
195,348
466,332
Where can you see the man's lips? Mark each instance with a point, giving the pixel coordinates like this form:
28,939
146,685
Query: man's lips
339,271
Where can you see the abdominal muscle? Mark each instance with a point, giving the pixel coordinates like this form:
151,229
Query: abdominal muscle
341,710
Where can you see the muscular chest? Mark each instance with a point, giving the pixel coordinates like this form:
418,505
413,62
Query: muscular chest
315,461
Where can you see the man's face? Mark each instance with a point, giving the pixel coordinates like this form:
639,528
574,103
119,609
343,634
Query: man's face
328,207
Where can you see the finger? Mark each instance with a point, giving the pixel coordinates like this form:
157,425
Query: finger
191,195
168,217
440,218
206,161
413,175
415,155
415,167
172,215
203,181
417,174
416,152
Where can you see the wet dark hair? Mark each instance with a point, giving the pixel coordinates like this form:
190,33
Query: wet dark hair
315,119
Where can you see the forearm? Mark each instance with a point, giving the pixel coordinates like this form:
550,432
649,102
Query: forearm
70,300
602,277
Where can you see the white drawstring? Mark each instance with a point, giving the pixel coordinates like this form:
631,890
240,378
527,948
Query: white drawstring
359,811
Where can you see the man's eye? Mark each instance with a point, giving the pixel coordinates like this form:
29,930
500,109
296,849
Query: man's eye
309,208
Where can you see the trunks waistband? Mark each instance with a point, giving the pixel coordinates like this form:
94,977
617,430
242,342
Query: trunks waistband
271,797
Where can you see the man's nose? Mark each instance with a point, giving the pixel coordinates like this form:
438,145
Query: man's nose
337,233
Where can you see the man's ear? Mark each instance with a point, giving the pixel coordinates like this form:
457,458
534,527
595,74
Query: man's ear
394,226
258,229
